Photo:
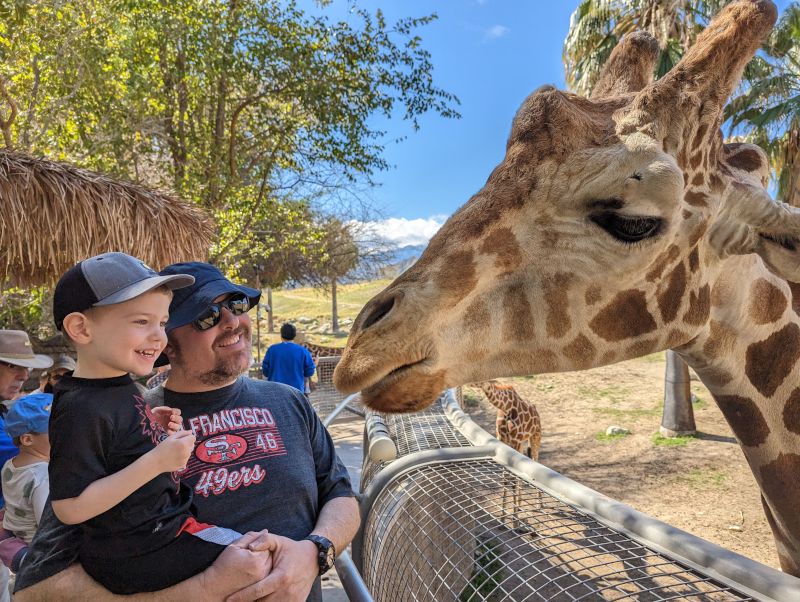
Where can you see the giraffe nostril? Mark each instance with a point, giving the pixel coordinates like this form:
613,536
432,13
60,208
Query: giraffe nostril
379,312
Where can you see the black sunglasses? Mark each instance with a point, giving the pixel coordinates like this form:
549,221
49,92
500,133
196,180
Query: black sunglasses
236,304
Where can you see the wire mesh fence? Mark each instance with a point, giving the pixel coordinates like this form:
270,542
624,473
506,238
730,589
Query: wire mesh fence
324,397
473,530
428,429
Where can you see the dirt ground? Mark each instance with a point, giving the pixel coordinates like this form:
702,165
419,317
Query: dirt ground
702,485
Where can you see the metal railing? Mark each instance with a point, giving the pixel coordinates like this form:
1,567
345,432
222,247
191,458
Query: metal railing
460,516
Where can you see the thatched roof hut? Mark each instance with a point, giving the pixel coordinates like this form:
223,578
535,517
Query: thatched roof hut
52,215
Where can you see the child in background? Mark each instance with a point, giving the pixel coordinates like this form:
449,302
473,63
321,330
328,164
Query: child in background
25,481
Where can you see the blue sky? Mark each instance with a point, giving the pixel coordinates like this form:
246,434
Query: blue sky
491,54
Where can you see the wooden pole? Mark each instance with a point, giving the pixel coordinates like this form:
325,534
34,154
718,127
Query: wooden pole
270,318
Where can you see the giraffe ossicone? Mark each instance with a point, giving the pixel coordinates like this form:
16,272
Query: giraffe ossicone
616,226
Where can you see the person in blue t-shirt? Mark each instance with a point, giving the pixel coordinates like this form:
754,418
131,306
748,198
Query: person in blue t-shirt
287,362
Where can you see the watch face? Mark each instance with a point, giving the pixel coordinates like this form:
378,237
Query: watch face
330,556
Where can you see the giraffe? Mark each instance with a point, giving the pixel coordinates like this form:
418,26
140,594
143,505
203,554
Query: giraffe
518,421
616,226
318,351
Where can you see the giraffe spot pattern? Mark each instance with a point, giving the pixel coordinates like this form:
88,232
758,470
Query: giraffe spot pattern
695,198
555,297
795,288
643,347
716,376
686,214
502,243
476,316
662,261
624,318
676,338
457,277
517,315
698,232
769,362
698,179
781,486
694,260
716,183
580,351
695,160
699,136
745,418
592,295
670,298
699,306
721,340
791,413
767,302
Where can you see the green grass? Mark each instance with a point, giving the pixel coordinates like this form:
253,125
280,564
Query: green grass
601,436
487,573
700,403
671,441
289,305
705,478
631,413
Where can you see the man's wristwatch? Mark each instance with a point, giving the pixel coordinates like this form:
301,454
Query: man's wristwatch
326,552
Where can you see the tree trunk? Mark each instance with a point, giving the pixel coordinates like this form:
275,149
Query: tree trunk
334,309
678,417
792,165
270,315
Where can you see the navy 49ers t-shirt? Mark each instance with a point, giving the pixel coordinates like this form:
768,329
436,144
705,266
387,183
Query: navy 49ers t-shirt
262,459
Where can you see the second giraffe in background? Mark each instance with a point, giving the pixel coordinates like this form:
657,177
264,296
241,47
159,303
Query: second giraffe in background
518,421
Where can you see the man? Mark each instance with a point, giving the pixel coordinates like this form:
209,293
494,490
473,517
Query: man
287,362
262,461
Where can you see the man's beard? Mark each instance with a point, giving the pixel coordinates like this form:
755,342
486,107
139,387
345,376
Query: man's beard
225,369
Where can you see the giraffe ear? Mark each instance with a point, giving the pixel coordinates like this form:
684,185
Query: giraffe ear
752,222
749,162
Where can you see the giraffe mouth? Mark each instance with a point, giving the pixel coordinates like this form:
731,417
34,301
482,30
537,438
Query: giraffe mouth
391,378
407,388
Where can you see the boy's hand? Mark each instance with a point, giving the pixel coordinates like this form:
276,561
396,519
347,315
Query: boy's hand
169,418
173,452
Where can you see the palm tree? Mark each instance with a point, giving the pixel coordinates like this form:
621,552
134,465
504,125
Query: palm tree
597,25
767,111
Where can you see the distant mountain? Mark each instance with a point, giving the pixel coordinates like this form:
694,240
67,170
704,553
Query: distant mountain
403,258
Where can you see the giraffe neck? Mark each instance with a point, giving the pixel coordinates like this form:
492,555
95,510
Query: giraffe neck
749,358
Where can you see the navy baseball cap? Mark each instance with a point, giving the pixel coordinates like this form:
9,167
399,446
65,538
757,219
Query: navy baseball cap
105,280
29,414
190,302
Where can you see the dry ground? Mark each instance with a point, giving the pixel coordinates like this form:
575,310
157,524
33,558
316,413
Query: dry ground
702,485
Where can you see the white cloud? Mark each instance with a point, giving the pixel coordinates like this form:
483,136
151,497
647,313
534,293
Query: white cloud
496,31
404,232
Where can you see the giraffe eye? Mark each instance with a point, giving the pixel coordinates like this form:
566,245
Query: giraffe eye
628,229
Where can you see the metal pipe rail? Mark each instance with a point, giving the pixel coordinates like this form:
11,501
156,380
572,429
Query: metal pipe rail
442,514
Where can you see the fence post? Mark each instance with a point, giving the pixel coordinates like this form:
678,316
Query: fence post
678,417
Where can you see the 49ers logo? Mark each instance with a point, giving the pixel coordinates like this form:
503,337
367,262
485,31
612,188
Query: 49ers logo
221,449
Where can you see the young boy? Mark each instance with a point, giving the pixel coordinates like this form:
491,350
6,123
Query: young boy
114,460
25,481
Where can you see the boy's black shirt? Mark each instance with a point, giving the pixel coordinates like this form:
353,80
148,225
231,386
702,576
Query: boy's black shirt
97,428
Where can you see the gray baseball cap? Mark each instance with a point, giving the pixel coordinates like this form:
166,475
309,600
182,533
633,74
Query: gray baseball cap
108,279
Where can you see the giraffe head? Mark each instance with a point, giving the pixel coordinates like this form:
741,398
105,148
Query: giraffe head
598,238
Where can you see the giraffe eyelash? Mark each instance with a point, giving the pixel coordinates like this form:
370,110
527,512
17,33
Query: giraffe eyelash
628,229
